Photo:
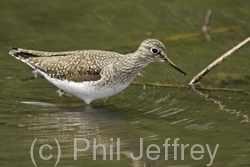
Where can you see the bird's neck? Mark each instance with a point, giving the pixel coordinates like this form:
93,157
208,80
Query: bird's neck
132,61
127,68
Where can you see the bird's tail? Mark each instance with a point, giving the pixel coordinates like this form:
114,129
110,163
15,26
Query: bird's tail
24,56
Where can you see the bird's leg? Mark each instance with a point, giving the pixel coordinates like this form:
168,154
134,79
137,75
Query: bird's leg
36,73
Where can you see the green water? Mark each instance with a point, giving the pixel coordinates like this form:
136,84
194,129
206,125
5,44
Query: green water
31,108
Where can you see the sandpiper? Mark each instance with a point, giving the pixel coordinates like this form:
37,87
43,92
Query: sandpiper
93,74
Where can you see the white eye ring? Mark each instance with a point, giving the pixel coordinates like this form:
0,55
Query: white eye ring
154,50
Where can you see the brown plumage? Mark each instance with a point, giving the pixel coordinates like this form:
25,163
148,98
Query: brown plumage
77,66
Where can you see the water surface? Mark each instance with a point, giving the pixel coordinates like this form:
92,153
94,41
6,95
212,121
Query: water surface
31,108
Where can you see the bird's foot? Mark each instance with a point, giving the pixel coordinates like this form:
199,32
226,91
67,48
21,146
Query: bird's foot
61,93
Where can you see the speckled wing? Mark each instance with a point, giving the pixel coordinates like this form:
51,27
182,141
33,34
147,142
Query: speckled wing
77,66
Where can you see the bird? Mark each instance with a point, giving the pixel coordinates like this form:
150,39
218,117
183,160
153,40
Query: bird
93,74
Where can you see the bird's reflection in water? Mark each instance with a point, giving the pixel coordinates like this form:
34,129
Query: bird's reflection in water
86,127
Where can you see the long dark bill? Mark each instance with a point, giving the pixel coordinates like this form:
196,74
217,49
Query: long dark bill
174,66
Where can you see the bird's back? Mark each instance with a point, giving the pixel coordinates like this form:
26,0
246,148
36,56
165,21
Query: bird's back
77,66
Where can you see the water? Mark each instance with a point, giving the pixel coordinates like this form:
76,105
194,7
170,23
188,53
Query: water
31,108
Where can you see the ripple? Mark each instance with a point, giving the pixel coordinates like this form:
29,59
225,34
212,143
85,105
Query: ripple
37,103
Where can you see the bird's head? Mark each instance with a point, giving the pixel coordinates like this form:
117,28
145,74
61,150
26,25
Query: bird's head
152,50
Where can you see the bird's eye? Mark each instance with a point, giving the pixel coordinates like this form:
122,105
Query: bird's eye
154,51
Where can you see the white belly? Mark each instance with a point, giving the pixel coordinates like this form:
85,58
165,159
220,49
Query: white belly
86,91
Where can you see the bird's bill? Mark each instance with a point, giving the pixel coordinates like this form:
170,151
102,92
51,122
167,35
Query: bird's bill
174,66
